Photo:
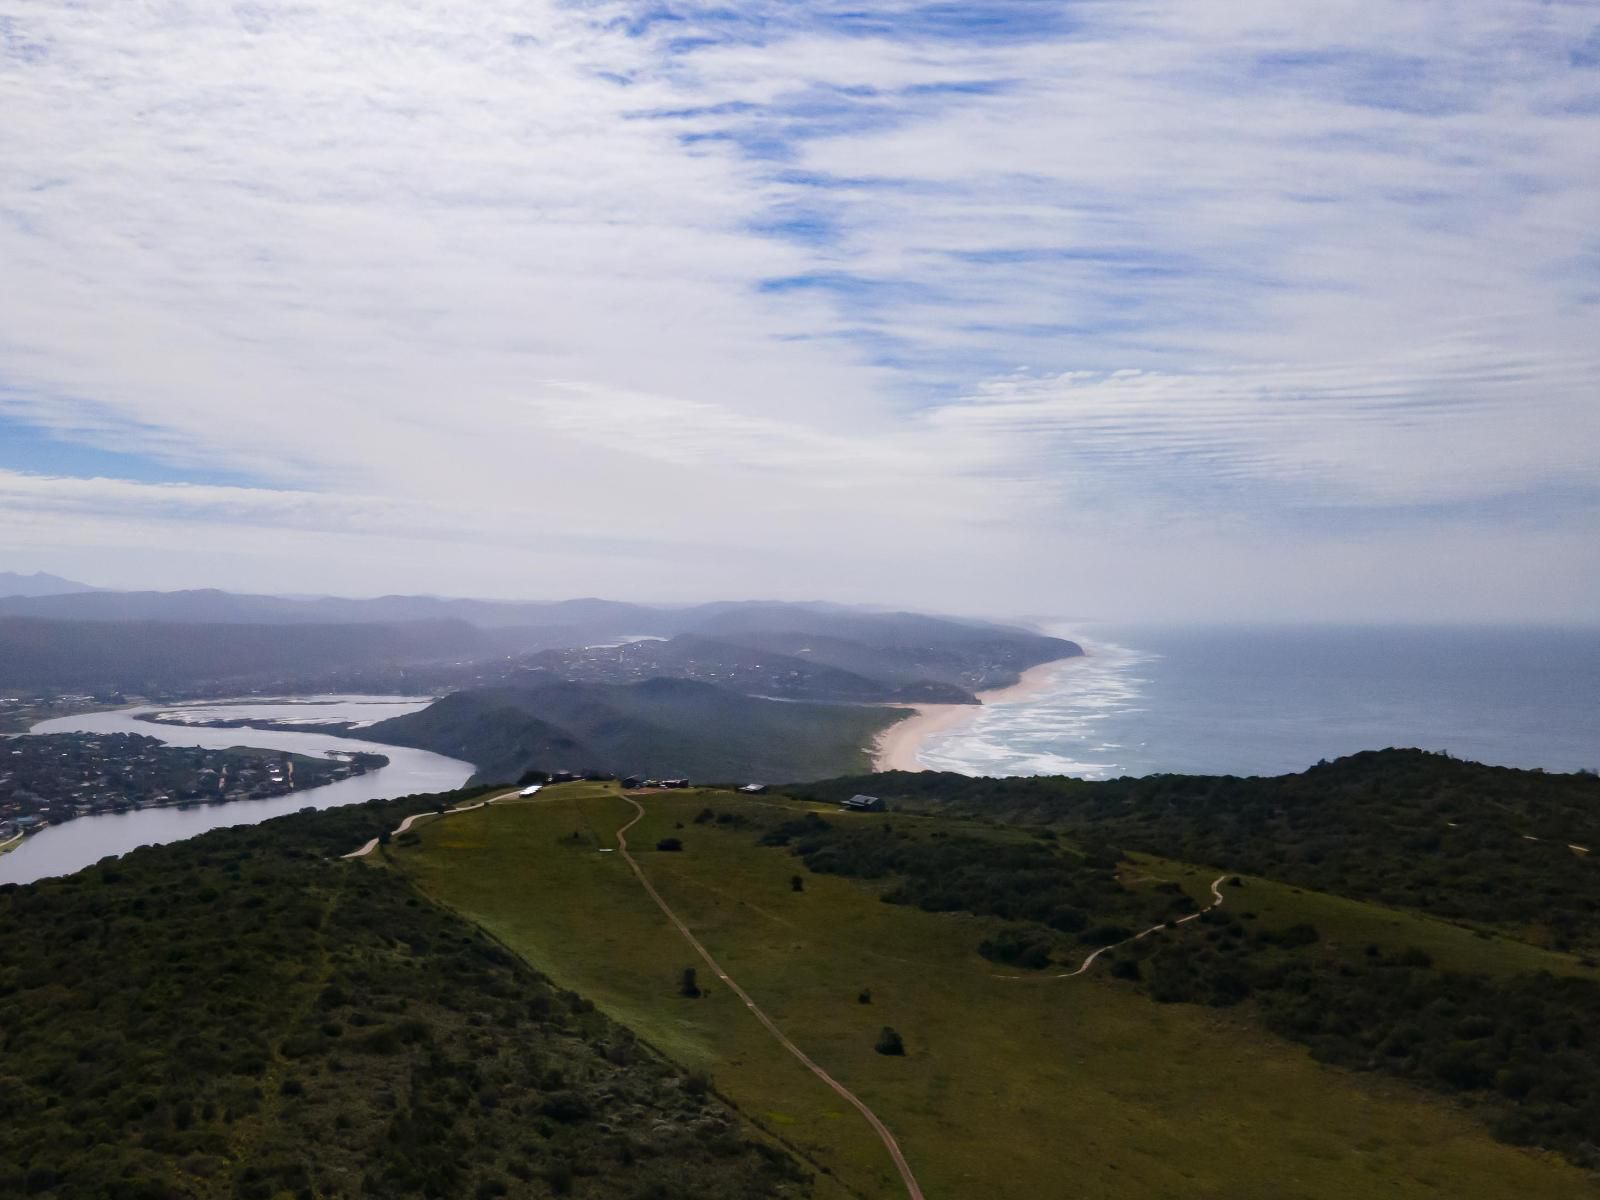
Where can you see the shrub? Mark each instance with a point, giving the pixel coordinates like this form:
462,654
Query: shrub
889,1042
670,843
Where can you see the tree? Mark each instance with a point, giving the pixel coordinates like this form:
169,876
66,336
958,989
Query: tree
889,1042
796,884
690,986
670,843
865,997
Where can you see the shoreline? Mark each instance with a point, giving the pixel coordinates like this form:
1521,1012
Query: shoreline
896,748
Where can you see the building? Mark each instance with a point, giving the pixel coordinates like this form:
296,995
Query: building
860,803
754,789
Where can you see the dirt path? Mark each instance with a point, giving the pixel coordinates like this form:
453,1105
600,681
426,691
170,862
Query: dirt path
1216,890
882,1130
406,824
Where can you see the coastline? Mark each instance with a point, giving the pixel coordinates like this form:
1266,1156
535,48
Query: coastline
897,747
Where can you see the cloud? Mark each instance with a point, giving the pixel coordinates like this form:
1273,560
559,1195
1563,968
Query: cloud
787,285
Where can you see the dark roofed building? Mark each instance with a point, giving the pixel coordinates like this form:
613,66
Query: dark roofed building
860,803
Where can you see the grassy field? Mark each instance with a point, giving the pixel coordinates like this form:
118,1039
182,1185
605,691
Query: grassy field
1015,1089
1349,926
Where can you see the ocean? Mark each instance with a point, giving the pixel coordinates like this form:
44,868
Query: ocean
1273,699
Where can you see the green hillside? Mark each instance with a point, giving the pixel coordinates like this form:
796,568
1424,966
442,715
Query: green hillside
244,1016
669,727
1153,1075
1507,849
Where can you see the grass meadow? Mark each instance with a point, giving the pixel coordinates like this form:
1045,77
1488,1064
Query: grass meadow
1015,1089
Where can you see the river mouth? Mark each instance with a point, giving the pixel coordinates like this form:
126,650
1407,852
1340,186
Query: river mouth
73,845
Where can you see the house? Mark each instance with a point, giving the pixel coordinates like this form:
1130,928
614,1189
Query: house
531,790
674,783
563,777
630,782
860,803
754,789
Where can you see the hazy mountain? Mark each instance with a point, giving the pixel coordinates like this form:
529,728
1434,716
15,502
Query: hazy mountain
900,649
38,584
794,651
219,607
748,669
658,727
170,656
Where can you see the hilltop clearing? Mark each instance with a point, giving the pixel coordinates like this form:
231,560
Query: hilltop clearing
964,941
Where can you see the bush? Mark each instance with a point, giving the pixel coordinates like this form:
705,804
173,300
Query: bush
670,843
1019,947
889,1042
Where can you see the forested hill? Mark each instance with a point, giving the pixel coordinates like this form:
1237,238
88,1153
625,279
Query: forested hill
671,727
244,1016
1491,845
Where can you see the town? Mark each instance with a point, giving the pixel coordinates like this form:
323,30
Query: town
50,778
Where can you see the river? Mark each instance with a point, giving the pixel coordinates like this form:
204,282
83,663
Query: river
73,845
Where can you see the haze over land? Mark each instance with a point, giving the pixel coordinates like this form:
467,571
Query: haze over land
1136,309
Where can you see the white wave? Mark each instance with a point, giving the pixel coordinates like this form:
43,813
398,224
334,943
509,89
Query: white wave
1054,731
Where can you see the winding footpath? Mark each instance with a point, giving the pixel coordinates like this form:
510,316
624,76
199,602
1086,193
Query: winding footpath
406,824
882,1130
1216,890
913,1189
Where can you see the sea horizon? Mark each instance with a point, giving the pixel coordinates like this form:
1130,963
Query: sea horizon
1272,698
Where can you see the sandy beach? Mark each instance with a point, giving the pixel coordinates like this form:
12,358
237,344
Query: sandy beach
895,749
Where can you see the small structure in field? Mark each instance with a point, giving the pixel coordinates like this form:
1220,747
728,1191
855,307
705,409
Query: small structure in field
531,790
861,803
674,783
754,789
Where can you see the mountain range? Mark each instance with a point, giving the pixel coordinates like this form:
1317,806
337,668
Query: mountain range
203,641
38,584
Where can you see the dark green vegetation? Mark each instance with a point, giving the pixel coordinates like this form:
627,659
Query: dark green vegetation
671,727
1526,1048
1075,892
239,1016
1488,845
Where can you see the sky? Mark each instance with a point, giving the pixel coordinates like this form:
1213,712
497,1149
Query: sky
1121,310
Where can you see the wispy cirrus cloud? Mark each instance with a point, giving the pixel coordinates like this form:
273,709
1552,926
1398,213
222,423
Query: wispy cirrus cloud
694,276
